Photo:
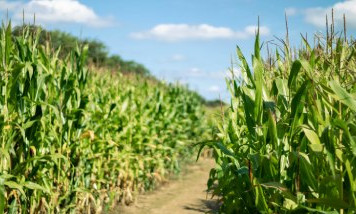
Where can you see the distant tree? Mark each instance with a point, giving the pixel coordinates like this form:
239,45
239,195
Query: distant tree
114,61
214,103
132,66
98,53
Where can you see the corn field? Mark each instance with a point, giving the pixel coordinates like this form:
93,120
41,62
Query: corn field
287,142
74,140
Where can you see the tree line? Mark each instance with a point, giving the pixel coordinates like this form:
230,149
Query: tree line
98,54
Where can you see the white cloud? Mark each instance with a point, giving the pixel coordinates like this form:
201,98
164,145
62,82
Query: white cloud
214,88
178,32
217,75
56,11
291,11
233,73
196,72
316,16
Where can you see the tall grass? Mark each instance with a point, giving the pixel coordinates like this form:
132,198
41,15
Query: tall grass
73,140
288,141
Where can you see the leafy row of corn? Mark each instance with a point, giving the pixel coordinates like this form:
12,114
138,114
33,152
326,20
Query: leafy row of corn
287,142
76,141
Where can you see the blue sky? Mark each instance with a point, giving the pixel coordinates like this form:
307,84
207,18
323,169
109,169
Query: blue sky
191,41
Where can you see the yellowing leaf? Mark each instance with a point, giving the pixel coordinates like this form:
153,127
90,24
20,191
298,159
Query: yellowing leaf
313,138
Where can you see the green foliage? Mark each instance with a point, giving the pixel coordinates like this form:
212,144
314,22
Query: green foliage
73,140
97,54
288,141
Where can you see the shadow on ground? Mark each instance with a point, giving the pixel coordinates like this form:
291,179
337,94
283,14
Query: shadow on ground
210,206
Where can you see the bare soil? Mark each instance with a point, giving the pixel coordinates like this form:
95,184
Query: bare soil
186,194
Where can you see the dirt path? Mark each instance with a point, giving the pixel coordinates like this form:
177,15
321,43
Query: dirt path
186,194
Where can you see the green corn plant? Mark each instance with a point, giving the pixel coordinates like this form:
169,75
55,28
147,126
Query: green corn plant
76,140
287,143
